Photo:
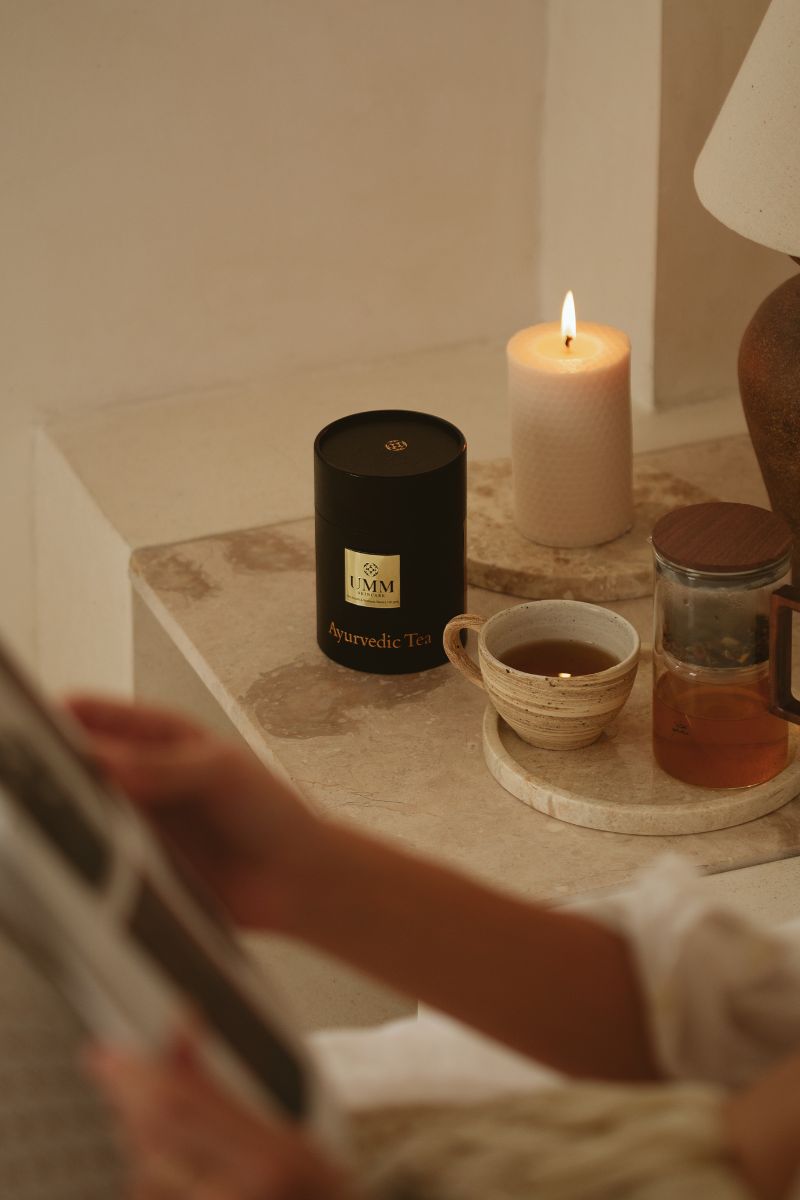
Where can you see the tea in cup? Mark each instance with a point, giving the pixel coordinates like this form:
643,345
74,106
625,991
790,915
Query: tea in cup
557,671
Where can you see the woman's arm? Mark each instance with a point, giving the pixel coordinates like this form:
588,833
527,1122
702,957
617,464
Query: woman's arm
553,985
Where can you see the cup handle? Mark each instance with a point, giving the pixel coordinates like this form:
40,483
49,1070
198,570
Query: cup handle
456,652
784,602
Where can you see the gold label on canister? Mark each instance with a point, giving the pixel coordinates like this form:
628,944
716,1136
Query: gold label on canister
372,580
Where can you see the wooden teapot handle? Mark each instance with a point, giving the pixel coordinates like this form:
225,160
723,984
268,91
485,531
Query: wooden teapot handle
456,652
785,601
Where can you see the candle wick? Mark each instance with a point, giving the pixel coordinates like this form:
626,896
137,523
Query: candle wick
568,340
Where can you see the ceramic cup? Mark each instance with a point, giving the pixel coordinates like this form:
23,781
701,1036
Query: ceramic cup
553,713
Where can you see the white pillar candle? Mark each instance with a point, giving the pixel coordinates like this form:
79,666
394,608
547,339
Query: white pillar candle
571,452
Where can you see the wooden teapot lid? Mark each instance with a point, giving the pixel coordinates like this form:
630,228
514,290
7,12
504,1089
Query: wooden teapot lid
722,538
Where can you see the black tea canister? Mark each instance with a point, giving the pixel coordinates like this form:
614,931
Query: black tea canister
390,492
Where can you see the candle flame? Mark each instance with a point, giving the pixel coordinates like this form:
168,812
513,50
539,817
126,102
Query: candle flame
564,675
568,322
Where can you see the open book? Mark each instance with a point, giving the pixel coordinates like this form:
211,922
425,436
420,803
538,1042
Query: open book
123,929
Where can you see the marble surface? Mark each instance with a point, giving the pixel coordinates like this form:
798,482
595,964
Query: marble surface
402,756
501,559
616,785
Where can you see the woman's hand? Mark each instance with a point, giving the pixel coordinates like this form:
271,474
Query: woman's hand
186,1139
763,1121
246,833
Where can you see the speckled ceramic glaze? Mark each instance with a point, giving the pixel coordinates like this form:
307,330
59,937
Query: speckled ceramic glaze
552,713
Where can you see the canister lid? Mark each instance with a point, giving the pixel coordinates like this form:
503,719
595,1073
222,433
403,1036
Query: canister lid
388,470
721,538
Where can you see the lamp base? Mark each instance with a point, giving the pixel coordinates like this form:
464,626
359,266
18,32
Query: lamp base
769,381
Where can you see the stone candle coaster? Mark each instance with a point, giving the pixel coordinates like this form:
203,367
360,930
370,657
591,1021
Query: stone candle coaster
615,784
501,559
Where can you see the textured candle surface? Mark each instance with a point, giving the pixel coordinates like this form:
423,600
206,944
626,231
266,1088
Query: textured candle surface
571,434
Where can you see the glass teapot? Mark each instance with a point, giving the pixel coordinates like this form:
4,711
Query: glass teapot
722,644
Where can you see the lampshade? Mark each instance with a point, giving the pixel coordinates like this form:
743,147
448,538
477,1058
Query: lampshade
748,172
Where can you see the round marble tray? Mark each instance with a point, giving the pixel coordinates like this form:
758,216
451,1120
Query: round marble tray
615,784
501,559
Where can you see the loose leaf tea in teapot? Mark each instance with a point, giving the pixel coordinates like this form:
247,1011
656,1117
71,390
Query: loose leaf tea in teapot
716,639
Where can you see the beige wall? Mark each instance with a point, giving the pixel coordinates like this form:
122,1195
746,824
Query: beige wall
633,87
196,192
709,280
599,169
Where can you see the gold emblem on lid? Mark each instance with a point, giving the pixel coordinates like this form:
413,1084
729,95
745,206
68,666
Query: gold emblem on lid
396,444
